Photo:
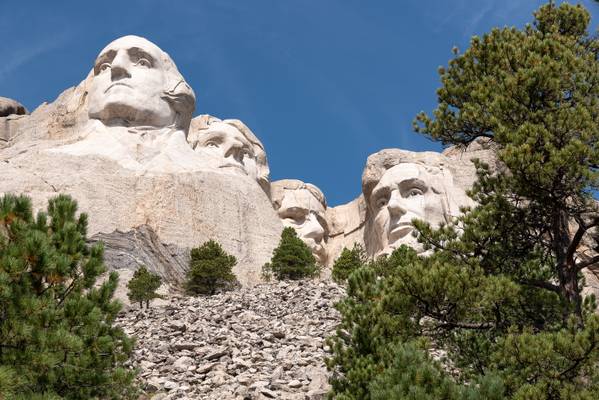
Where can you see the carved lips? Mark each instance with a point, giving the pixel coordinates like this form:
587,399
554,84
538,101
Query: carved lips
117,84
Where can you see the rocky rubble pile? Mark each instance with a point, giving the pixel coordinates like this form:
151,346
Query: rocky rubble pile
262,342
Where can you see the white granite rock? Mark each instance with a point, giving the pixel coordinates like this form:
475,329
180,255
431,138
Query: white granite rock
118,144
11,107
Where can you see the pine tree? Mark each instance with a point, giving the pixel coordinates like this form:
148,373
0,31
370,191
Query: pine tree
142,287
57,332
347,262
501,291
210,268
291,259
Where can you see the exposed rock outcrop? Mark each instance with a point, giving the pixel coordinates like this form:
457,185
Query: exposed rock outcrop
118,144
11,107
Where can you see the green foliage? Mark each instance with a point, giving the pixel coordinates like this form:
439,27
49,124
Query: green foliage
500,289
210,268
57,333
348,261
534,93
411,374
142,287
292,259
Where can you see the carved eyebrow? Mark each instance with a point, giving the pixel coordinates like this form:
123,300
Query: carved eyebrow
141,53
211,135
378,192
413,183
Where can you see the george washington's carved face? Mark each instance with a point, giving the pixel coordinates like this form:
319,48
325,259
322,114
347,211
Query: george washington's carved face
404,192
128,86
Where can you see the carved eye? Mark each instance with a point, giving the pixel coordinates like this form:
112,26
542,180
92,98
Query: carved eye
104,66
414,192
299,221
212,145
382,201
246,154
144,63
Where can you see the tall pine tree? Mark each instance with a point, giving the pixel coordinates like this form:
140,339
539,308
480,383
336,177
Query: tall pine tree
57,332
501,293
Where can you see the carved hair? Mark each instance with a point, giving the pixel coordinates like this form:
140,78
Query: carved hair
278,189
178,94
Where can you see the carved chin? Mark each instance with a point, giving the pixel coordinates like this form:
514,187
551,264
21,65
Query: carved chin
319,252
407,240
120,109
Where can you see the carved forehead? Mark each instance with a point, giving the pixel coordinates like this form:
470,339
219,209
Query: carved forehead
402,172
224,131
301,199
280,188
379,163
130,42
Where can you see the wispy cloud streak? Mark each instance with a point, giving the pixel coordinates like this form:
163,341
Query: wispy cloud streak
24,54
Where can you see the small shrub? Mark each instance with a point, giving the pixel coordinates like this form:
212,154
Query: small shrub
210,268
292,259
142,287
348,261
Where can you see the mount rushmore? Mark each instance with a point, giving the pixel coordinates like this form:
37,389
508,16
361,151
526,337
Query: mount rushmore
156,182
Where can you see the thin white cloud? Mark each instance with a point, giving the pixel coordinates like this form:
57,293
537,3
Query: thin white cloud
481,13
23,54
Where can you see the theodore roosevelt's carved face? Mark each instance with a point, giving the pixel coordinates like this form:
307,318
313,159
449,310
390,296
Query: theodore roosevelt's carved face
299,208
129,83
404,192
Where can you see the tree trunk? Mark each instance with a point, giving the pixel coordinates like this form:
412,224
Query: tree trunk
566,268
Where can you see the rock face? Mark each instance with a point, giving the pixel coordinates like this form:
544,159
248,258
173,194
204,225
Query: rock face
264,342
11,107
399,186
302,206
118,144
156,182
232,146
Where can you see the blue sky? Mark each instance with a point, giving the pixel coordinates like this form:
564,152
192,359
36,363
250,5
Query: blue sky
323,83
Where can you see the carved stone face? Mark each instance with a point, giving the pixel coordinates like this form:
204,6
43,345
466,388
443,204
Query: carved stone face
129,83
302,211
405,192
229,149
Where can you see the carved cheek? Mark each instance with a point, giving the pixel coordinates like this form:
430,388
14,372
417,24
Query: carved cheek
433,211
419,206
381,222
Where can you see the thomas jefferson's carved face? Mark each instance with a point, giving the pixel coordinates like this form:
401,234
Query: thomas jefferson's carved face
229,147
128,85
303,212
404,193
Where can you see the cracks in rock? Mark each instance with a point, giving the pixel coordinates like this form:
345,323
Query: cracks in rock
35,175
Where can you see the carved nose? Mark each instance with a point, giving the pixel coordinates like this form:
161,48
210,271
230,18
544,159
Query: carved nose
396,209
234,150
120,66
313,228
